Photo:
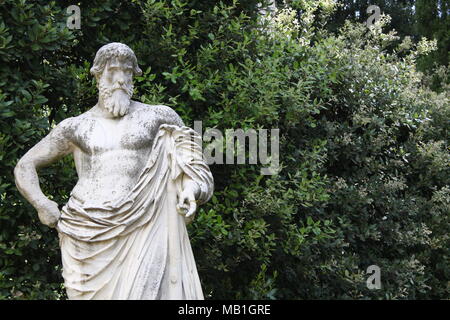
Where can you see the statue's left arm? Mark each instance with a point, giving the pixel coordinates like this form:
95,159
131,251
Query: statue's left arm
196,179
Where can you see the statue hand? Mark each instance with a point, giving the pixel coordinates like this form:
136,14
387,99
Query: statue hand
49,213
187,204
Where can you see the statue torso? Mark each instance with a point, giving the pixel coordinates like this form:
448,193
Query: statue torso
110,154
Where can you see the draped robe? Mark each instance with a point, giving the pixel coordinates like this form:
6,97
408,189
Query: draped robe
138,247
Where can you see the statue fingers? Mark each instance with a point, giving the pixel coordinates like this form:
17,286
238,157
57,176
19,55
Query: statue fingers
182,208
181,201
192,208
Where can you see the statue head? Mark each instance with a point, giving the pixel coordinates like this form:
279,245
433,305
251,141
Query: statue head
115,64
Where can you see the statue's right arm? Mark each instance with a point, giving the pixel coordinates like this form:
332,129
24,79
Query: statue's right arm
51,148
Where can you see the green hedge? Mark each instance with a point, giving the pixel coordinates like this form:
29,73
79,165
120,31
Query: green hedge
363,144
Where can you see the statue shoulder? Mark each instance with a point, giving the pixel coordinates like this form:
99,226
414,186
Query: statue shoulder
68,127
164,114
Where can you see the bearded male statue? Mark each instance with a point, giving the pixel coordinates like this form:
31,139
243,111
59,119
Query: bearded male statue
141,174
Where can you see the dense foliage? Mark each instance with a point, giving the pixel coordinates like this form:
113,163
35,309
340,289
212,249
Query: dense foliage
363,143
410,18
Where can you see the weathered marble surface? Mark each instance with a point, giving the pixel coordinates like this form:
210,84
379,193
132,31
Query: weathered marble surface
141,173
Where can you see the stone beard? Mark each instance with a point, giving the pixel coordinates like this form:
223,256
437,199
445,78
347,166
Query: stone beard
116,99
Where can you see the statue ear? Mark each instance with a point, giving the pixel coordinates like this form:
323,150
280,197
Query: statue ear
97,77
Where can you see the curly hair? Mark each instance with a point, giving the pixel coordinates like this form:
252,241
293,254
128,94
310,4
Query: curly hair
110,50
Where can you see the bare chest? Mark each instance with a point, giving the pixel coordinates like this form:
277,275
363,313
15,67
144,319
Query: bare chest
101,135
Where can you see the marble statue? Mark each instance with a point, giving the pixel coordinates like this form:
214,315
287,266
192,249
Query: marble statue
141,176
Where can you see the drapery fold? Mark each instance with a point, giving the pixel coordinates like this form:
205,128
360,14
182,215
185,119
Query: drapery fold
137,247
